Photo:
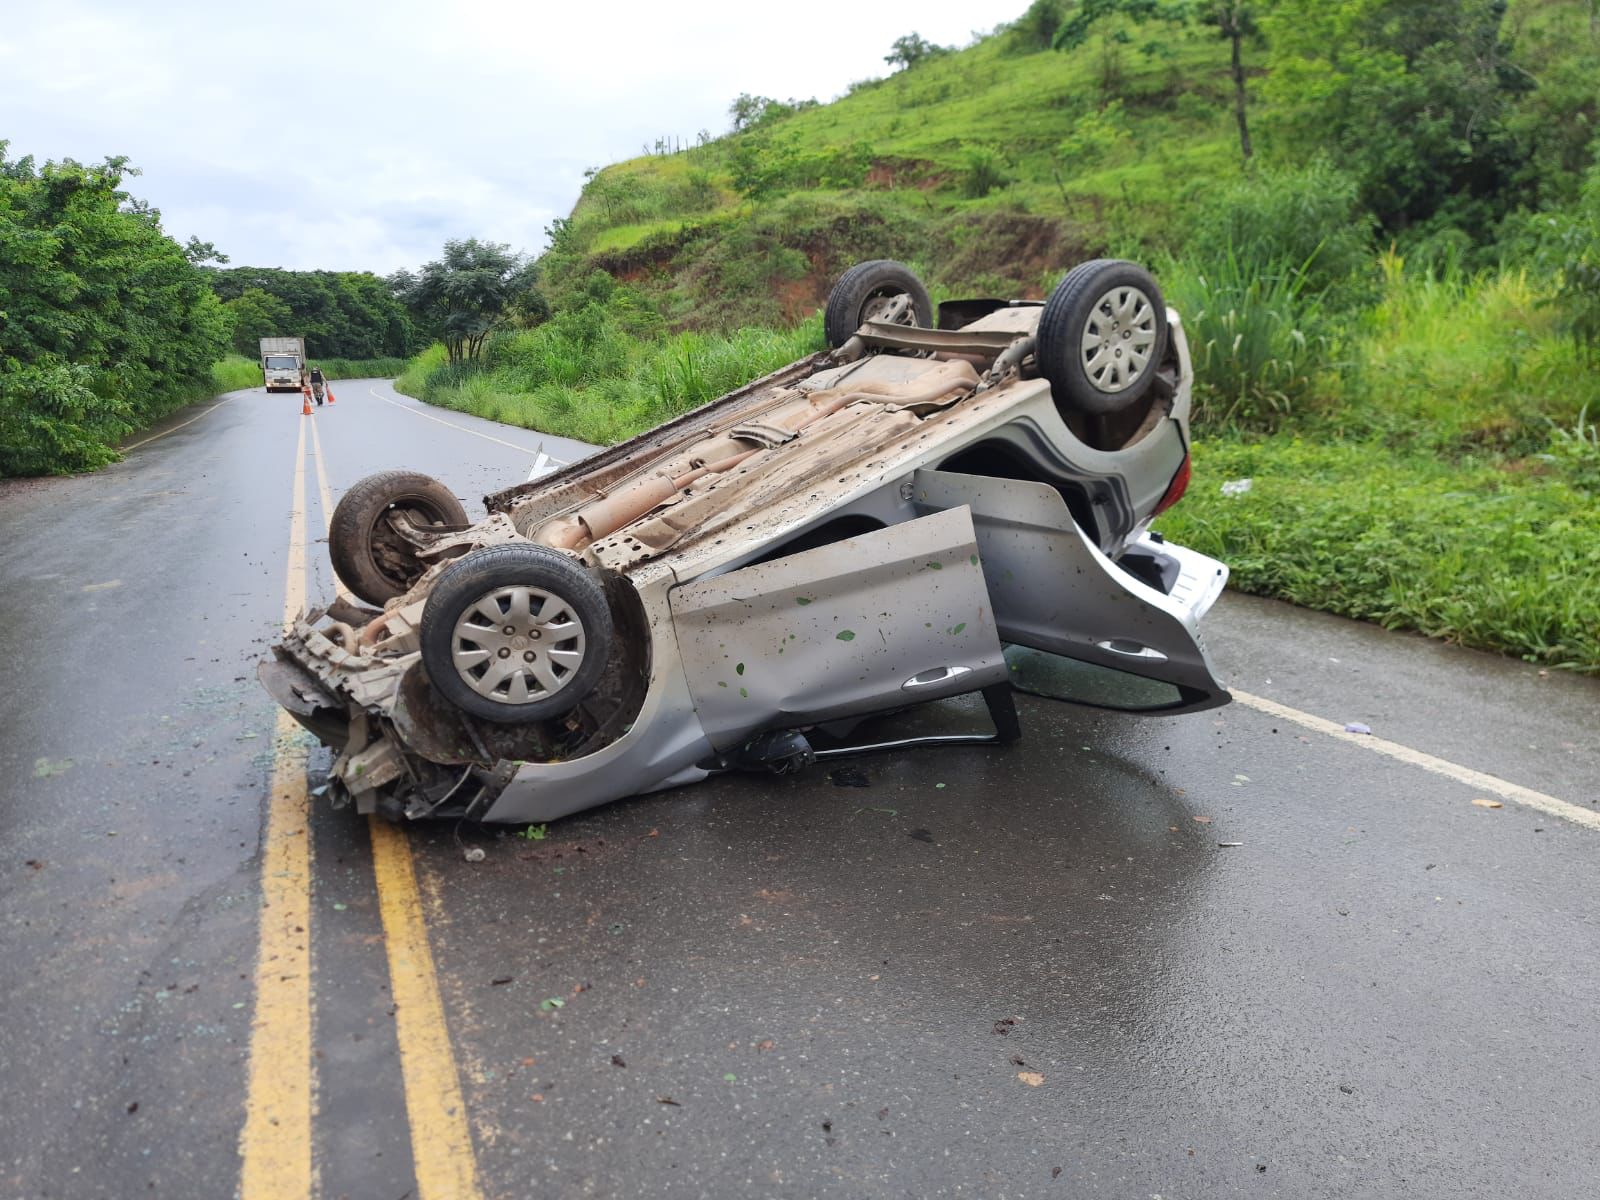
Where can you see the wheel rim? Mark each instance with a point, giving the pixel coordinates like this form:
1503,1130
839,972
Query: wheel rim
393,556
1118,339
878,303
515,645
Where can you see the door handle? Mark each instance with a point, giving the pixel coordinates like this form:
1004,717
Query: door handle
1131,649
934,677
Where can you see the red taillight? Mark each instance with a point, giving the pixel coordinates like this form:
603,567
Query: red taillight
1175,489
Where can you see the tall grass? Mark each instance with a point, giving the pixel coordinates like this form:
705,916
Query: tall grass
1454,362
588,379
1259,340
235,373
361,368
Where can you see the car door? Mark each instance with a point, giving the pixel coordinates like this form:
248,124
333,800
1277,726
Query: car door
1080,627
867,624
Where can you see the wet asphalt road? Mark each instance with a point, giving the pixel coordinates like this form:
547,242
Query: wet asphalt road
1000,973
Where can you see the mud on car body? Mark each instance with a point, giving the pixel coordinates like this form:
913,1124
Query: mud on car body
924,510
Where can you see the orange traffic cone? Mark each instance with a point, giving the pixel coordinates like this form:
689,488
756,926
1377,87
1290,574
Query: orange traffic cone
305,402
327,390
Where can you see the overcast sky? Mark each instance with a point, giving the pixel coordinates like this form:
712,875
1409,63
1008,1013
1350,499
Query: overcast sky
361,136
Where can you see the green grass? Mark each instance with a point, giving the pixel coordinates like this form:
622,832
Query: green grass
1500,556
606,386
362,368
236,372
1455,364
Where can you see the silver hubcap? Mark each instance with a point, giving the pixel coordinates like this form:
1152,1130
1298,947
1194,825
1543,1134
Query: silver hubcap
1118,339
517,644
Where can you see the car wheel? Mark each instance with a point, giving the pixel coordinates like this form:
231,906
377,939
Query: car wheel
1102,336
369,557
866,290
515,633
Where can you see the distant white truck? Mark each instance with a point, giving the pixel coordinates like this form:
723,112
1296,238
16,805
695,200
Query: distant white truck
282,360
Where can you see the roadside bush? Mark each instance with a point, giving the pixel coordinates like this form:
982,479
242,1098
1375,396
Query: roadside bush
1468,551
235,373
1456,363
1257,337
581,376
1307,221
109,325
360,368
1576,453
983,169
1572,247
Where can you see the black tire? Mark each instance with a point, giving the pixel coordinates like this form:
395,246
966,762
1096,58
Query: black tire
474,686
1120,303
852,298
373,561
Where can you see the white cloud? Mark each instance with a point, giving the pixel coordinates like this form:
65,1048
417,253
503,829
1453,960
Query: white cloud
360,135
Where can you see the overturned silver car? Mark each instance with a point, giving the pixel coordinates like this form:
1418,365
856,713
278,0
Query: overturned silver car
924,510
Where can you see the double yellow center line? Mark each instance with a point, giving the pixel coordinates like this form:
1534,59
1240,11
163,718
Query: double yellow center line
275,1144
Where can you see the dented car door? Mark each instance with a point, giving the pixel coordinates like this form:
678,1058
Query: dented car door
870,623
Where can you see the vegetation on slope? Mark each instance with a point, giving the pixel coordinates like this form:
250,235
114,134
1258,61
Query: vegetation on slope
1394,304
341,314
107,323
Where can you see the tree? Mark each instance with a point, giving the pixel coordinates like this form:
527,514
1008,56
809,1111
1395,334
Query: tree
1234,20
750,111
107,324
341,314
1412,96
911,49
465,295
257,314
747,110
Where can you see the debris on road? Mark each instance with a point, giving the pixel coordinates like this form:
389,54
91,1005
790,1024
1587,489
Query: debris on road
1356,727
1237,487
502,980
616,1061
474,854
1031,1078
1481,802
1003,1025
1230,843
849,777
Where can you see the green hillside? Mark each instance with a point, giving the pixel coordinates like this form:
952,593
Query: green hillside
993,167
1394,304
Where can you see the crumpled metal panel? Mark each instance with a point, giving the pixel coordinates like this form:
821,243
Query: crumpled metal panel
849,628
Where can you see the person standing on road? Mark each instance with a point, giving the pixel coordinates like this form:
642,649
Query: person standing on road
317,383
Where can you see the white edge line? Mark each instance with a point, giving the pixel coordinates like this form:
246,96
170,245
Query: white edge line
158,436
373,392
1478,780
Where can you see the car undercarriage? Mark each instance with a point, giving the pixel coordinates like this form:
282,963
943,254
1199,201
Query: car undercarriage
923,510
